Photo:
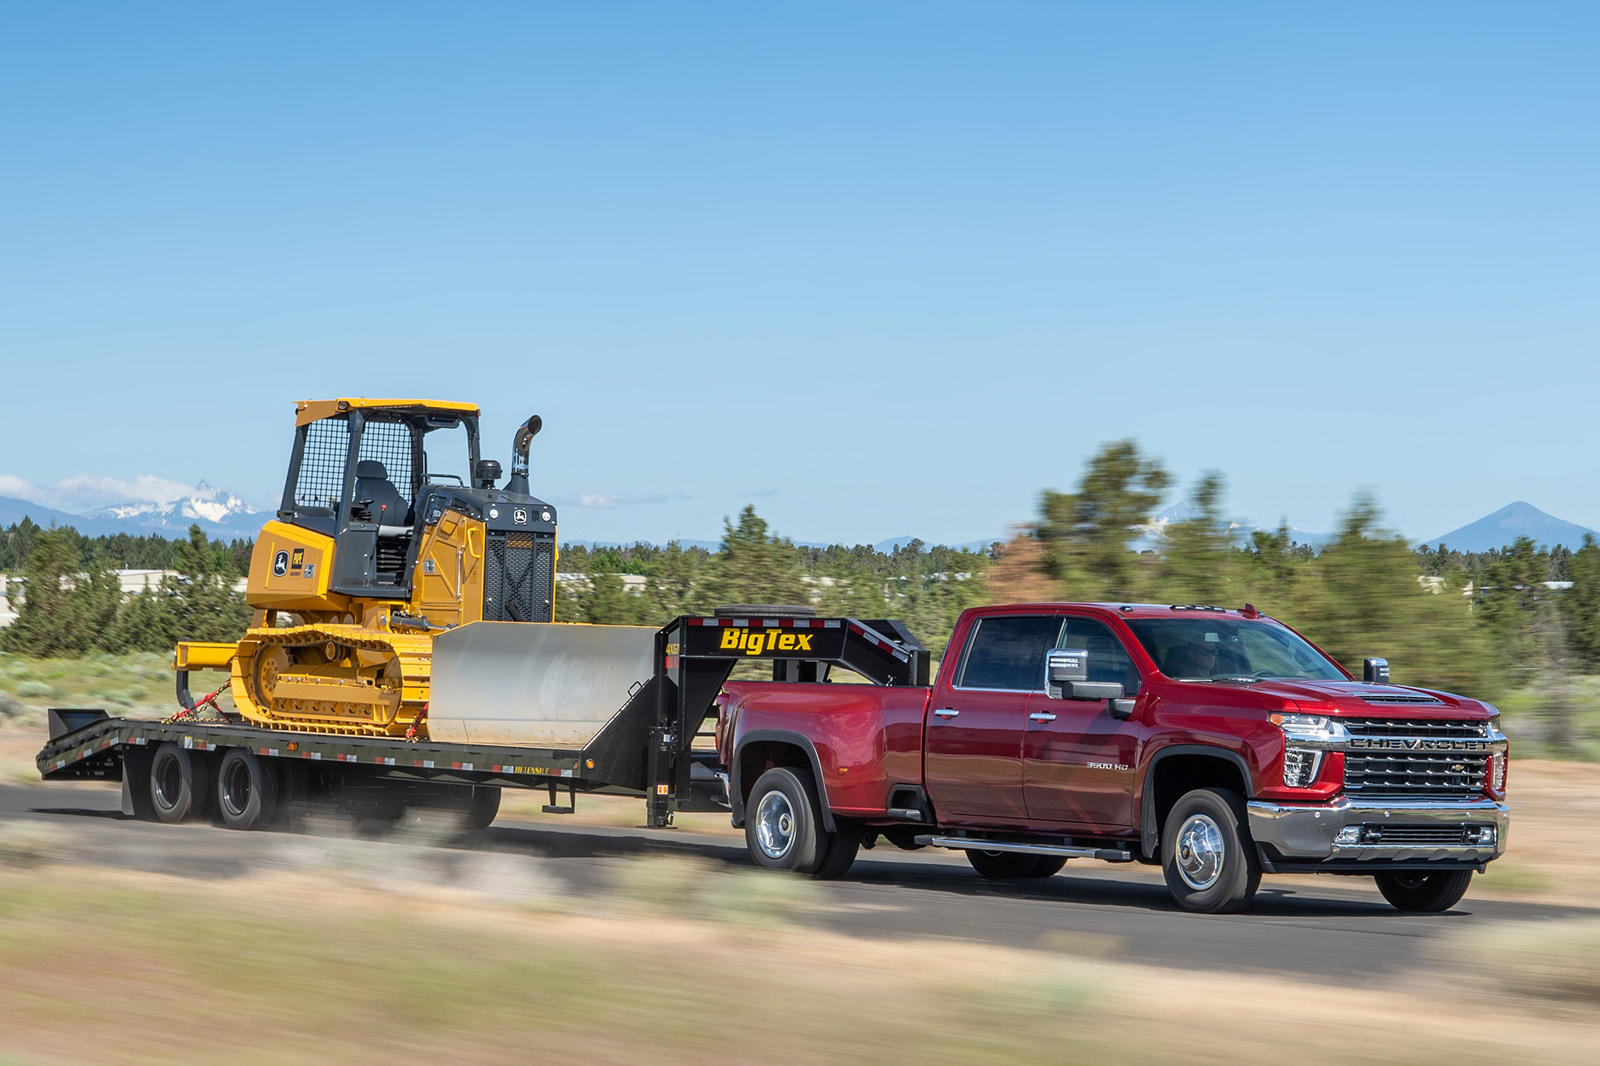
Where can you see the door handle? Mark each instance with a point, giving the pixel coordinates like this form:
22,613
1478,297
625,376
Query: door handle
946,712
1041,716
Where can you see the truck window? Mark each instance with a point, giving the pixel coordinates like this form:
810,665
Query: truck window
1108,659
1227,648
1007,652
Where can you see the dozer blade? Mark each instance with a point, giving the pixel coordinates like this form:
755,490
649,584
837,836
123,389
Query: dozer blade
534,684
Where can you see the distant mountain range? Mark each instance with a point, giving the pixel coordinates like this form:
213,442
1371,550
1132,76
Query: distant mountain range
222,515
1514,520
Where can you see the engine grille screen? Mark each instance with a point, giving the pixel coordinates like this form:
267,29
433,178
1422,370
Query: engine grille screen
519,577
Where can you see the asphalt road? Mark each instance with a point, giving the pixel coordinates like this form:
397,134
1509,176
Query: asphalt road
1330,928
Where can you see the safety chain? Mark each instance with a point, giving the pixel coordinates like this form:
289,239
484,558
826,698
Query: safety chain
194,712
411,730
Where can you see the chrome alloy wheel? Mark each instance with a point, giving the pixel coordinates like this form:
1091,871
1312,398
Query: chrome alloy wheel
775,825
1200,852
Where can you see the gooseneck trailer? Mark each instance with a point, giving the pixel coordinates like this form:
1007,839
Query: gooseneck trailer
614,710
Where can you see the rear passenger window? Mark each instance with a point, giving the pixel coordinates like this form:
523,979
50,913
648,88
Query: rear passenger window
1007,652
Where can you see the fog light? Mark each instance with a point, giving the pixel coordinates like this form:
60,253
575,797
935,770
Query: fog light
1350,834
1483,834
1300,766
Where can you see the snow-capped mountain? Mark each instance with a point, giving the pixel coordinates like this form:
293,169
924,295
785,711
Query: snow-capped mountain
218,512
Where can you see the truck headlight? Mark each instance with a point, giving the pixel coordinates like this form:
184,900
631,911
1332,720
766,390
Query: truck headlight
1309,727
1300,766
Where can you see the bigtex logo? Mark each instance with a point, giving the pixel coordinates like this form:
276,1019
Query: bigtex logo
756,641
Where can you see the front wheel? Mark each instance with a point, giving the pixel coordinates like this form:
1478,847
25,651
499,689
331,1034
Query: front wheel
1207,856
1414,890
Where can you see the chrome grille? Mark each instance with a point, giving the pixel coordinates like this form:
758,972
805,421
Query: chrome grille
1415,727
1454,774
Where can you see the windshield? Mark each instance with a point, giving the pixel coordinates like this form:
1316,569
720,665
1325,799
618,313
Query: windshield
1213,649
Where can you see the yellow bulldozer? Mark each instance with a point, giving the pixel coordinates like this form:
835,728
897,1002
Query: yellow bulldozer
390,532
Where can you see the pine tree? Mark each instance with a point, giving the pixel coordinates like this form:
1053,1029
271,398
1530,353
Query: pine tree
50,621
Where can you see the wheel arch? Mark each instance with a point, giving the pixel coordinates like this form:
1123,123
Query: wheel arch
762,748
1178,769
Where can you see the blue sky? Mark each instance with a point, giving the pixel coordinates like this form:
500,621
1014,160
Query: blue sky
877,268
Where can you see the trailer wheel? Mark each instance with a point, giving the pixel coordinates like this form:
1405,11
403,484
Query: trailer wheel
783,824
247,790
1416,890
1002,865
482,807
179,783
1207,855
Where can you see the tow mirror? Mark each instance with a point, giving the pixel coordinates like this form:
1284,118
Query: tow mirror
1067,677
1375,671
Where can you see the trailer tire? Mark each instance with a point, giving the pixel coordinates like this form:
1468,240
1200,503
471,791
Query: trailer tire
839,854
1002,865
1427,893
483,805
247,790
180,783
1207,856
783,823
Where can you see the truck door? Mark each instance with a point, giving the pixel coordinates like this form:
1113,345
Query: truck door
1077,759
976,724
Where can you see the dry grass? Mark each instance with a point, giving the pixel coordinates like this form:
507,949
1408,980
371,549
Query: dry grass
315,960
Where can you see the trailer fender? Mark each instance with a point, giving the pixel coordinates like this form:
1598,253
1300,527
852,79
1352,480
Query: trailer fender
776,736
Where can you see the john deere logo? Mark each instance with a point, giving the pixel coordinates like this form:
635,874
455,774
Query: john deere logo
757,641
520,517
280,564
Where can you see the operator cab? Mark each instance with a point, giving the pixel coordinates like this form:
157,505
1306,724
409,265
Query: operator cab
370,473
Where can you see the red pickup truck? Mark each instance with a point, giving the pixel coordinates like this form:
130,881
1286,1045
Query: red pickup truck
1217,743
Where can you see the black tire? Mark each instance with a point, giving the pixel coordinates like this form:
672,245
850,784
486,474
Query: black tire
1002,865
764,610
1207,855
1047,866
482,807
247,790
844,843
1417,890
783,823
180,783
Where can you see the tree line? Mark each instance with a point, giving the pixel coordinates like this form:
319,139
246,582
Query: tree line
1483,623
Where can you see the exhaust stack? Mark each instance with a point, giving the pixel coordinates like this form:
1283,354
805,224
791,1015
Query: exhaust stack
517,485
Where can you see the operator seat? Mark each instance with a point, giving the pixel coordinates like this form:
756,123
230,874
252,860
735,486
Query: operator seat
388,506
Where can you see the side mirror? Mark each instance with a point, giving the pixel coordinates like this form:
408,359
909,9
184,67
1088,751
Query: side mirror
1066,672
1375,671
487,472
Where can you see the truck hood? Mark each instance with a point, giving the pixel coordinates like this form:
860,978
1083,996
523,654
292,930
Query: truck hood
1361,699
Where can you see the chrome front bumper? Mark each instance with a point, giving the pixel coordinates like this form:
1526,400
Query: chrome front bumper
1305,834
